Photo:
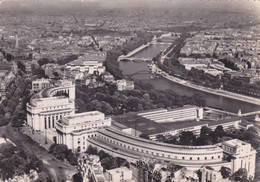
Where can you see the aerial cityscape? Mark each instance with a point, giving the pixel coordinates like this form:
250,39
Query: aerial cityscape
129,91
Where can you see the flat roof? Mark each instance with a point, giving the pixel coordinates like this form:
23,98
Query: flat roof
132,120
50,98
236,142
184,107
152,110
149,127
171,109
84,114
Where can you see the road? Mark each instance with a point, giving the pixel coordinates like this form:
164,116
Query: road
57,170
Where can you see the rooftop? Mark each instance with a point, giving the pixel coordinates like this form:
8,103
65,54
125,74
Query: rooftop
83,115
149,127
236,142
49,98
118,170
82,118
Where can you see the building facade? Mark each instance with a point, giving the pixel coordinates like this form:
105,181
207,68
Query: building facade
91,67
51,104
74,130
121,174
43,113
125,85
40,84
90,168
61,87
187,112
241,154
209,174
133,148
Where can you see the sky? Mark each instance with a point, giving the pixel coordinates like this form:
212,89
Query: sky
248,5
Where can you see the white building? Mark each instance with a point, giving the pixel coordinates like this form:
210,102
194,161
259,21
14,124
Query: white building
61,87
50,105
40,84
209,174
90,168
91,67
241,154
122,174
125,85
42,113
74,130
187,112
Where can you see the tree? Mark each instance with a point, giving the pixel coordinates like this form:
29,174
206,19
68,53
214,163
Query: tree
56,74
240,175
225,172
35,163
107,163
3,121
16,162
204,140
121,162
21,66
16,122
103,155
91,150
160,138
217,133
61,152
187,138
71,158
40,73
43,61
77,177
7,150
205,131
171,139
219,129
253,129
145,136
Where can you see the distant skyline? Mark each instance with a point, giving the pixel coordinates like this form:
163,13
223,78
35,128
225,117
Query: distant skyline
219,5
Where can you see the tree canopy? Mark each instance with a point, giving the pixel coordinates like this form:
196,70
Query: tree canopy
62,153
16,162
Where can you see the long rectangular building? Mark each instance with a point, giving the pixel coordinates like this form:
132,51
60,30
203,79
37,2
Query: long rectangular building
187,112
91,67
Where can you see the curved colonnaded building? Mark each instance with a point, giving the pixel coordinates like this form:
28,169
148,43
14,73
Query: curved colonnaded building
133,148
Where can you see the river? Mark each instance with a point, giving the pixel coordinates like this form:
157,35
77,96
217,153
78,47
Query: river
212,100
151,51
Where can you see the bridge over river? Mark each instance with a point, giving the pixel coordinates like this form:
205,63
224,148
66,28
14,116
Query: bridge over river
141,72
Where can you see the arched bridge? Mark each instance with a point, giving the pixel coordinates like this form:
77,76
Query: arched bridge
141,72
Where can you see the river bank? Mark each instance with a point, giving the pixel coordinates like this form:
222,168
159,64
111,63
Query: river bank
161,83
222,93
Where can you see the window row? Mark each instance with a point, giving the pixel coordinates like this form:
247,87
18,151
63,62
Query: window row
159,154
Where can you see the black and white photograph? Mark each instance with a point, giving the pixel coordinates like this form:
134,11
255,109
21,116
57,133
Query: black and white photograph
129,90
